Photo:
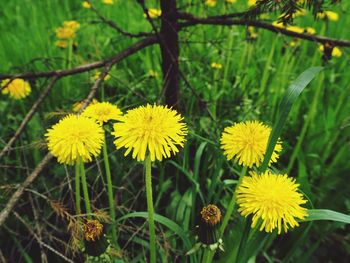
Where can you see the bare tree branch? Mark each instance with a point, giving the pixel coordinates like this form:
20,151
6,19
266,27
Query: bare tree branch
87,67
192,20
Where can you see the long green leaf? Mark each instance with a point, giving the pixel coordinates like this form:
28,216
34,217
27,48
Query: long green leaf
164,221
324,214
287,102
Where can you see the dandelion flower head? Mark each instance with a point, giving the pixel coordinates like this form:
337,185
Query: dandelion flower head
251,3
272,199
86,4
210,3
17,88
215,65
108,2
75,138
328,15
154,13
78,105
247,143
102,112
336,52
154,130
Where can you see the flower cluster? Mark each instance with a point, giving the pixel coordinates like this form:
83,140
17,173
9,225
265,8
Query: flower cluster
66,33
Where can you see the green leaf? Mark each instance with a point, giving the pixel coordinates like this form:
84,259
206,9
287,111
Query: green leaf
164,221
324,214
287,102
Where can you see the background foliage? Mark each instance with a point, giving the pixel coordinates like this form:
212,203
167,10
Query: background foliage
250,85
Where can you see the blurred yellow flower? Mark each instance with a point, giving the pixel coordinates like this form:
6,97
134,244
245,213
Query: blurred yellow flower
310,30
231,1
272,199
251,2
153,74
155,130
210,3
74,25
17,88
65,33
75,138
336,52
61,43
102,112
246,142
215,65
108,2
251,33
97,75
296,29
86,5
328,15
153,13
77,106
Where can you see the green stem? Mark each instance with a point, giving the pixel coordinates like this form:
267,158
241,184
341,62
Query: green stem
77,188
85,190
232,203
228,214
206,255
243,241
110,193
150,209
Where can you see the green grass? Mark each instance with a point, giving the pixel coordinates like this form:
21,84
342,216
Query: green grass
250,85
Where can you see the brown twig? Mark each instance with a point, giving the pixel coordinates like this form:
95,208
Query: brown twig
87,67
28,117
192,20
39,240
113,25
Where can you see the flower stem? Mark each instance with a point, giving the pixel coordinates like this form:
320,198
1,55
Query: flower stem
232,203
228,213
85,190
150,209
110,193
77,188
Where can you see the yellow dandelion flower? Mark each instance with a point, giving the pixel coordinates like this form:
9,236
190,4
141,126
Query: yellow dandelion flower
247,143
310,30
328,15
336,52
93,230
231,1
97,75
153,13
154,130
65,33
74,25
296,29
86,5
108,2
210,3
215,65
77,106
251,2
17,88
102,112
271,198
73,138
153,74
61,43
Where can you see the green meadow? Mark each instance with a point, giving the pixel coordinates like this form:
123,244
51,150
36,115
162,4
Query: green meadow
227,74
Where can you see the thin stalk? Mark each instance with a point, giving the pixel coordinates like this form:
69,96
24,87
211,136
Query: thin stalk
150,209
85,190
110,193
77,187
228,213
232,203
206,255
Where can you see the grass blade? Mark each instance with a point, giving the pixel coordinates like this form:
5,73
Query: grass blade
324,214
287,102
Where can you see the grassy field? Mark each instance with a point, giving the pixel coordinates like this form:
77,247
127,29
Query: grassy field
255,72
